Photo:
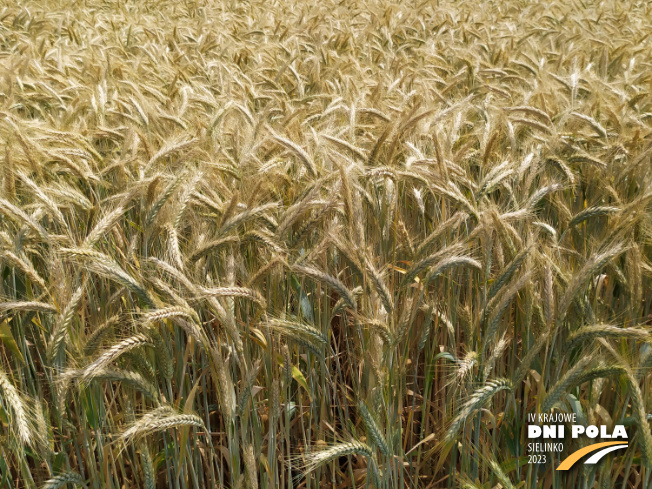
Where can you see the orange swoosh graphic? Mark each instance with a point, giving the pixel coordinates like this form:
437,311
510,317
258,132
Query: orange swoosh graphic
575,456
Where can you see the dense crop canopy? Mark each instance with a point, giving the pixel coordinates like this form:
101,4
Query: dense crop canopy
322,244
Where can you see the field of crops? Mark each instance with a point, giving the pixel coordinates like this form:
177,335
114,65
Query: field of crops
320,244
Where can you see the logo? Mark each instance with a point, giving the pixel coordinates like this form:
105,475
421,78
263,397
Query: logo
601,450
553,427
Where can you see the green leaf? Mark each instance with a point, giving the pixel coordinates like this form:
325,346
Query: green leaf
445,355
7,337
298,376
304,302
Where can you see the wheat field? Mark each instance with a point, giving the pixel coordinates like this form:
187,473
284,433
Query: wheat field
314,244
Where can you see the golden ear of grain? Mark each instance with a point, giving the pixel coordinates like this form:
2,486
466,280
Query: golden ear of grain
60,330
592,265
160,419
317,458
475,402
567,382
328,280
300,152
17,214
20,417
8,181
373,429
61,480
112,353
